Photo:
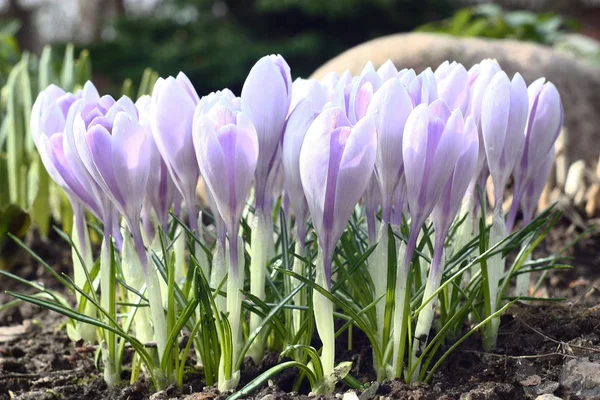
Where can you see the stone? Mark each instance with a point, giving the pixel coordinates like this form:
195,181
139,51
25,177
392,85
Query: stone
548,397
581,377
577,82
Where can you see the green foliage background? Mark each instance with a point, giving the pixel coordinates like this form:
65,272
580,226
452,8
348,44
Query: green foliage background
217,52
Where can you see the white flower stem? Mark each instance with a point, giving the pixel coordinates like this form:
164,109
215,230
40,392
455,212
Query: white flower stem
81,242
108,302
378,269
323,310
218,274
298,268
402,303
134,276
426,315
258,271
495,270
228,378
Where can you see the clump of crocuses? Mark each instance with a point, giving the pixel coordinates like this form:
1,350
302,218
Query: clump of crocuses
382,174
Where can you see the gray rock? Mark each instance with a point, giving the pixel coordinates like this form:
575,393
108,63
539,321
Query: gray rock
578,83
548,397
581,377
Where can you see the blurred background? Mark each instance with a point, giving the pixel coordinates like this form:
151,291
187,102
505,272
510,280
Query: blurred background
216,41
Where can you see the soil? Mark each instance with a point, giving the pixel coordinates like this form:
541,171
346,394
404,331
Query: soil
38,361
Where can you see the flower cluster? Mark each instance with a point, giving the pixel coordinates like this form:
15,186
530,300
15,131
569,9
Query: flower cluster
410,148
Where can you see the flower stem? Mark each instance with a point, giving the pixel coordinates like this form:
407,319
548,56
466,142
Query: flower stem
323,310
427,312
258,272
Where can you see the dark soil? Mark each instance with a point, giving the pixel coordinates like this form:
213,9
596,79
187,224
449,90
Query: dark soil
38,361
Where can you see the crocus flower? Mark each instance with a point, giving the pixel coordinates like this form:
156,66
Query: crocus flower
336,163
227,149
390,107
311,89
406,76
443,215
447,207
387,70
266,97
431,146
503,117
296,127
423,89
173,104
361,93
48,119
115,150
160,190
543,127
226,145
453,85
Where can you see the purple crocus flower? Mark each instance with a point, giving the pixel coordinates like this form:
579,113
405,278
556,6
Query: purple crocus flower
361,93
503,117
387,71
543,127
336,163
447,207
443,215
480,76
453,85
226,146
48,119
423,89
311,89
160,190
431,146
390,107
115,150
173,104
296,127
92,107
266,98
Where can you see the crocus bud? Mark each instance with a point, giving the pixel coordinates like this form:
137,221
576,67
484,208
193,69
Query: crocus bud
543,127
226,146
308,89
115,150
160,190
447,207
480,76
296,127
453,85
329,84
406,76
336,163
503,117
387,70
390,107
363,88
48,119
173,103
423,89
266,98
341,95
533,191
431,146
